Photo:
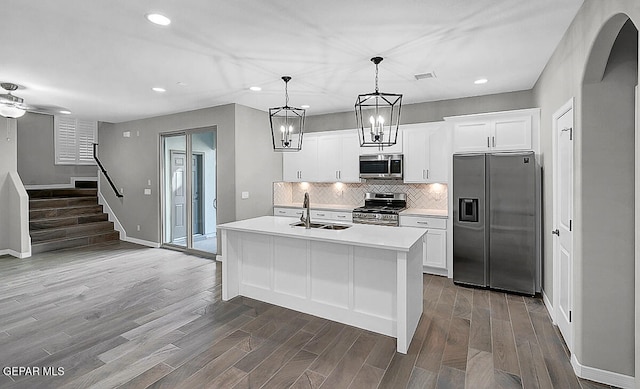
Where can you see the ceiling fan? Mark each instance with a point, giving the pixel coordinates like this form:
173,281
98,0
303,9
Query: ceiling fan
13,107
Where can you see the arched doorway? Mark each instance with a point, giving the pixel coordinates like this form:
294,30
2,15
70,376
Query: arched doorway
607,180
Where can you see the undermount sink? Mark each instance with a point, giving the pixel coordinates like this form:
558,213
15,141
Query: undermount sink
324,226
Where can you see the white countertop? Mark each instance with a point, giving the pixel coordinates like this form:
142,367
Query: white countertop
381,237
440,213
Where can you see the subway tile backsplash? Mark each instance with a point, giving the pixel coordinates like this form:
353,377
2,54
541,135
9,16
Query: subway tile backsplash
429,196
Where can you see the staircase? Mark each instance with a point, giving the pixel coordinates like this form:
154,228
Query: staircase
63,218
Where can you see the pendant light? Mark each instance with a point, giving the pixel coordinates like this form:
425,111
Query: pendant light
378,116
287,124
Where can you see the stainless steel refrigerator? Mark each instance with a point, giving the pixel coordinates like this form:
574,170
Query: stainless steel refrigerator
496,226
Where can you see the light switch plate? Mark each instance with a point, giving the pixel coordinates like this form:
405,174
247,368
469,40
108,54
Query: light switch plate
147,191
126,134
245,195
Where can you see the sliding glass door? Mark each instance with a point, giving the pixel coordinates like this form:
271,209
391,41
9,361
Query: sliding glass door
189,190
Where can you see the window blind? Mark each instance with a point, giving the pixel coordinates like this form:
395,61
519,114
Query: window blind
74,140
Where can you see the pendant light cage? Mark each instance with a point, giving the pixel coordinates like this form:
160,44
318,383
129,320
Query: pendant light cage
287,124
378,116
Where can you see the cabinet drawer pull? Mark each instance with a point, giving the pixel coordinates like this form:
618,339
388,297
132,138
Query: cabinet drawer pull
342,216
320,214
427,174
281,212
488,142
421,222
493,138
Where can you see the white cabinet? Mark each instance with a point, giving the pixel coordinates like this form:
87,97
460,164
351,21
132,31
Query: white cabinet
395,149
426,153
316,214
323,215
497,131
299,166
435,241
436,248
287,212
325,157
338,157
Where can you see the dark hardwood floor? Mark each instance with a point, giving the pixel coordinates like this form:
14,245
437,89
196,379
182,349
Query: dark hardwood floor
125,316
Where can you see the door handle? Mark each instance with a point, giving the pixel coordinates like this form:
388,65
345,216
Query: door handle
215,203
427,174
556,232
493,139
488,142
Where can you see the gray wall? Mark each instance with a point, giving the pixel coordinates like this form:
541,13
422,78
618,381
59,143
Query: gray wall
608,174
246,162
36,155
8,158
257,165
600,341
132,161
432,111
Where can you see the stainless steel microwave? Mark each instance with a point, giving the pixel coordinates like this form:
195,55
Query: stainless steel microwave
381,166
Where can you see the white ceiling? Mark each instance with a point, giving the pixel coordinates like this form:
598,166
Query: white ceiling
100,59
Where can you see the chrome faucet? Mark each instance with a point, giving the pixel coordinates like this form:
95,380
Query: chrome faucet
305,205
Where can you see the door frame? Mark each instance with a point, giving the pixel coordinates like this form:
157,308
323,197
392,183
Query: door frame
569,105
162,180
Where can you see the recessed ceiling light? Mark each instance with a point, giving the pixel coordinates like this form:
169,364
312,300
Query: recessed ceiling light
159,90
480,81
255,88
65,112
180,83
305,106
158,19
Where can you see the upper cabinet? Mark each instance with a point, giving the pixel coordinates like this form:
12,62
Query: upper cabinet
338,157
299,166
325,157
426,149
496,131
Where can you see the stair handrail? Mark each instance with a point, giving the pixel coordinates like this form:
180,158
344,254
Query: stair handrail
104,171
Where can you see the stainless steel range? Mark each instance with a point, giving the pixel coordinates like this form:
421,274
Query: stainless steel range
381,209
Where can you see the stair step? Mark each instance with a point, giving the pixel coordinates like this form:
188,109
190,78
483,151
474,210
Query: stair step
61,202
63,243
77,230
53,213
66,221
61,192
86,184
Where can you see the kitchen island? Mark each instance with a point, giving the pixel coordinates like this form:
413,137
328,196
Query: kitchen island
366,276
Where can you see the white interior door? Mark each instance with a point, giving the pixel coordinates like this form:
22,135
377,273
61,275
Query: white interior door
563,136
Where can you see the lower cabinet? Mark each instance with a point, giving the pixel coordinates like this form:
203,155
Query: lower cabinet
316,214
435,242
287,212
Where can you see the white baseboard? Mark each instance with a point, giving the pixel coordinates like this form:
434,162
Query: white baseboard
71,184
16,254
547,303
435,271
602,376
118,226
142,242
112,216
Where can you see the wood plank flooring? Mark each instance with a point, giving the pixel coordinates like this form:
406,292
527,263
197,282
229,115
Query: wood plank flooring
124,316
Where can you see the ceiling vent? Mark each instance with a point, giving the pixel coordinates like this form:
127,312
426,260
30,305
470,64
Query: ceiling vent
422,76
